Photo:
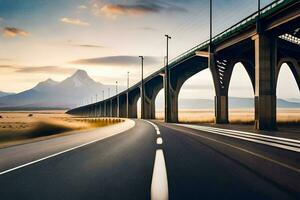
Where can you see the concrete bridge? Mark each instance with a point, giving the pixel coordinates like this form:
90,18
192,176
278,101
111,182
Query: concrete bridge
262,46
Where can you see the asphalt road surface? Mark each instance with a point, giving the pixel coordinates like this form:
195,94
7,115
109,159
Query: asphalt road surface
154,160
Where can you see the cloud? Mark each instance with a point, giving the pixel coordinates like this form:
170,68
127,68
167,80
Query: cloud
117,61
13,32
89,46
73,21
46,69
39,69
141,7
145,28
82,7
70,42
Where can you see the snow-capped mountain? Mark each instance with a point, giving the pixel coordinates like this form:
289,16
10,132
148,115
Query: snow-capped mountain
2,94
51,94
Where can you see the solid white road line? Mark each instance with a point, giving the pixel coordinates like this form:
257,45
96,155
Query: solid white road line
247,151
275,143
53,155
245,133
159,140
159,184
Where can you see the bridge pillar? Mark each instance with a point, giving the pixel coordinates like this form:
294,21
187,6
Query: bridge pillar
123,106
171,114
132,110
265,87
149,108
221,109
221,89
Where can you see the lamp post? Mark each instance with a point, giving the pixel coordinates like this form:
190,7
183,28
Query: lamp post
117,98
110,107
258,27
167,84
142,89
127,99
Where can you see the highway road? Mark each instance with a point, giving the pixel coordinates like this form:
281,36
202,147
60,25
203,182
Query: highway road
152,160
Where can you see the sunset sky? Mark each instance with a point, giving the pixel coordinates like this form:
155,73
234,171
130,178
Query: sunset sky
43,39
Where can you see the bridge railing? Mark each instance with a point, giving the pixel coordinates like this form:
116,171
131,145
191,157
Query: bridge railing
236,28
246,22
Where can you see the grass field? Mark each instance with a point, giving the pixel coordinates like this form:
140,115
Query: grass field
19,127
236,116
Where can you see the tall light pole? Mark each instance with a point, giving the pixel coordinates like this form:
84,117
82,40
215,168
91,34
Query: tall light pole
104,105
116,87
258,17
210,22
142,89
117,99
167,84
127,96
110,107
95,107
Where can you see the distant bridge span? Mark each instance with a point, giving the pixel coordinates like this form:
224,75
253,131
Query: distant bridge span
262,46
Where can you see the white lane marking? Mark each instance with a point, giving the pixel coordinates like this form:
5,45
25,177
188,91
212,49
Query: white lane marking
155,126
247,138
246,133
159,184
247,151
159,140
250,136
55,154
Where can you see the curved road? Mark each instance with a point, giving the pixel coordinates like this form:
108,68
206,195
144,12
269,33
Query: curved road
153,160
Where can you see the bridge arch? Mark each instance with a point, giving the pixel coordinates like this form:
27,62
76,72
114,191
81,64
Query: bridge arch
199,107
241,97
287,76
293,65
179,74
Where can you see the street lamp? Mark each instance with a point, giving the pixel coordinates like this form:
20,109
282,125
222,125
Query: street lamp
127,106
116,87
117,98
142,89
167,83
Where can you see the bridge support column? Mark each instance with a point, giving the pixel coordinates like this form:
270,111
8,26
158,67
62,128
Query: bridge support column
132,111
149,108
123,106
265,88
221,89
171,114
221,109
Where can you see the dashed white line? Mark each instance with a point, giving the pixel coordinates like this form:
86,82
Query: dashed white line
159,140
159,184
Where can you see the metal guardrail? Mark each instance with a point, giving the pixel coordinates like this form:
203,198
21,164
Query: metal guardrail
236,28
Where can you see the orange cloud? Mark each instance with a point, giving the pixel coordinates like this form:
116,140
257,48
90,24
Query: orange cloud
13,32
114,10
138,9
72,21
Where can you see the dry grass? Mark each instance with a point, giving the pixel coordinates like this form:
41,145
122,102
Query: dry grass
16,127
236,116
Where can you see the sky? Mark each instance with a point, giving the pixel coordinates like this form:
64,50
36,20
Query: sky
43,39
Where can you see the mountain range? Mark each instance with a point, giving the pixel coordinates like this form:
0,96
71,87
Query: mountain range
70,92
55,95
